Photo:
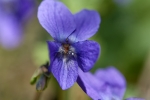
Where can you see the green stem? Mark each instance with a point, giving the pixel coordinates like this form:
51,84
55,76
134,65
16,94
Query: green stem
37,96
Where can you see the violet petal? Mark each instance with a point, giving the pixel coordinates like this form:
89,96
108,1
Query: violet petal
114,81
85,81
87,22
64,69
55,17
87,54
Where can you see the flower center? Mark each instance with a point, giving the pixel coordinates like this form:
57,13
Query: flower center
67,50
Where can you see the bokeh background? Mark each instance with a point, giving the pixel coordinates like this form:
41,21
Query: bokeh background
124,36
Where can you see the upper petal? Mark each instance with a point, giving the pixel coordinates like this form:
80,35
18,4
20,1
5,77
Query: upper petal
64,69
87,82
87,22
55,17
87,54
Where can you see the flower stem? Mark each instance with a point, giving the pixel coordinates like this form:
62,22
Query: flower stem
37,95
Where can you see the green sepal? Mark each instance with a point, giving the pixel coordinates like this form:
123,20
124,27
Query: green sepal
42,82
36,74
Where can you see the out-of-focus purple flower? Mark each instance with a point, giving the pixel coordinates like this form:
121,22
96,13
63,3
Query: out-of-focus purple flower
13,14
105,84
71,47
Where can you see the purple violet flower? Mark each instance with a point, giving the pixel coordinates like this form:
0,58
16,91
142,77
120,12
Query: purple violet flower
13,14
105,84
70,47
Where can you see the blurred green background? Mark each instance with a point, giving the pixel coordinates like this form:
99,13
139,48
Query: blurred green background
124,36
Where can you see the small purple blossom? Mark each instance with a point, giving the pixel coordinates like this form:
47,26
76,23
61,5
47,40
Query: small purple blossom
13,14
70,47
105,84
